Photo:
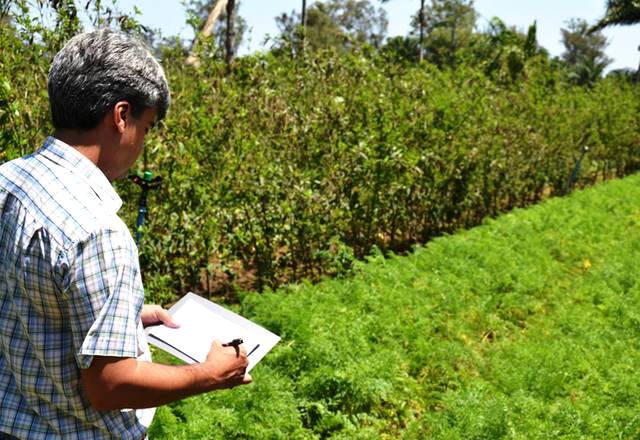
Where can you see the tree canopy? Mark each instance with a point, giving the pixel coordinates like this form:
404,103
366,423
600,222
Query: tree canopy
619,12
584,52
449,25
336,23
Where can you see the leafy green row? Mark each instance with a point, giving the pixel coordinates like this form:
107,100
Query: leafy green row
526,327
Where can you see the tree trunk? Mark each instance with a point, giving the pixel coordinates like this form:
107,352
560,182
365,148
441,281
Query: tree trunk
206,30
422,25
230,41
303,24
453,48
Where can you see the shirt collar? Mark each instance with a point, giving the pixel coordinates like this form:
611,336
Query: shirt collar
73,161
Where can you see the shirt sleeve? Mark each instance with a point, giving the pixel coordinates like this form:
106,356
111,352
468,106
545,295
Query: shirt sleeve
104,296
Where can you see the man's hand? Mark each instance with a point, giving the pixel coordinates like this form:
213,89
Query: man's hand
227,365
155,314
114,383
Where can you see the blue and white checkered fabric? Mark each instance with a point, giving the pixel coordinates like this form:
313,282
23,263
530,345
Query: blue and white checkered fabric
70,289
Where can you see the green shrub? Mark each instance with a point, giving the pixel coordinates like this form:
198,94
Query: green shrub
288,169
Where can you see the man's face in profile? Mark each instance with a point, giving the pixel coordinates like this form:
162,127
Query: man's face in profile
132,140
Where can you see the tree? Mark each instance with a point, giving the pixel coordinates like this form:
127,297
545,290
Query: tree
619,12
5,6
319,31
503,52
444,26
213,29
53,22
303,22
584,52
401,45
422,24
335,23
230,37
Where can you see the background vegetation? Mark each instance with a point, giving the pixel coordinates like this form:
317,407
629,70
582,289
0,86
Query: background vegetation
290,164
290,169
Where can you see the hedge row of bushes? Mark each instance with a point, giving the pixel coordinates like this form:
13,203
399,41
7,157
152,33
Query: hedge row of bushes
290,168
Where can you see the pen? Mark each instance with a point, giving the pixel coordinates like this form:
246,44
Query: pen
254,349
236,342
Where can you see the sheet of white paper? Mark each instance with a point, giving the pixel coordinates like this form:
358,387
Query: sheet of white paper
202,322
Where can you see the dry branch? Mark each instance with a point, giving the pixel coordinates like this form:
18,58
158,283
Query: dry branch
206,31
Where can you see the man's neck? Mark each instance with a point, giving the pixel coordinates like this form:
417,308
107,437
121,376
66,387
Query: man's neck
86,143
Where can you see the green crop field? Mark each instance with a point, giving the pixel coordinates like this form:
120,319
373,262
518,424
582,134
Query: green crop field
292,175
525,327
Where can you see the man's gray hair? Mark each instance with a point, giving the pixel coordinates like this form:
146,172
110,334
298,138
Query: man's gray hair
95,70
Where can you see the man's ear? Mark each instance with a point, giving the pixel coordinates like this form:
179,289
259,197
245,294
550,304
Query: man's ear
121,112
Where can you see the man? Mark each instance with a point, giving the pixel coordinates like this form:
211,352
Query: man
74,362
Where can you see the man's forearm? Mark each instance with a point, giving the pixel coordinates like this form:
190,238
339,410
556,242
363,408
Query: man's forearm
113,383
117,383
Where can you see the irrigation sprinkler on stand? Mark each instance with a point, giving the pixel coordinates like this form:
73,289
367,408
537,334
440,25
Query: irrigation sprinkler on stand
576,170
147,182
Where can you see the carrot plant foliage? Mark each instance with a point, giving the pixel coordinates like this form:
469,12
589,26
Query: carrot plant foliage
525,327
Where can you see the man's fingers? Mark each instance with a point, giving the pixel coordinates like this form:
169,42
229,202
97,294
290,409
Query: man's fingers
238,351
164,317
242,380
154,314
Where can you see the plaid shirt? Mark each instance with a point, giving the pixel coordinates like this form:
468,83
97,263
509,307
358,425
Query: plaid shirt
70,289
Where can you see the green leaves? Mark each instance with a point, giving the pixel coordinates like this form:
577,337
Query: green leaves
301,164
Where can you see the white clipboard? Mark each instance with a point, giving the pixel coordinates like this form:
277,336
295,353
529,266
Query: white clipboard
201,322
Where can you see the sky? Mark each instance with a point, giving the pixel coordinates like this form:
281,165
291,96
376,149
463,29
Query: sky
551,15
